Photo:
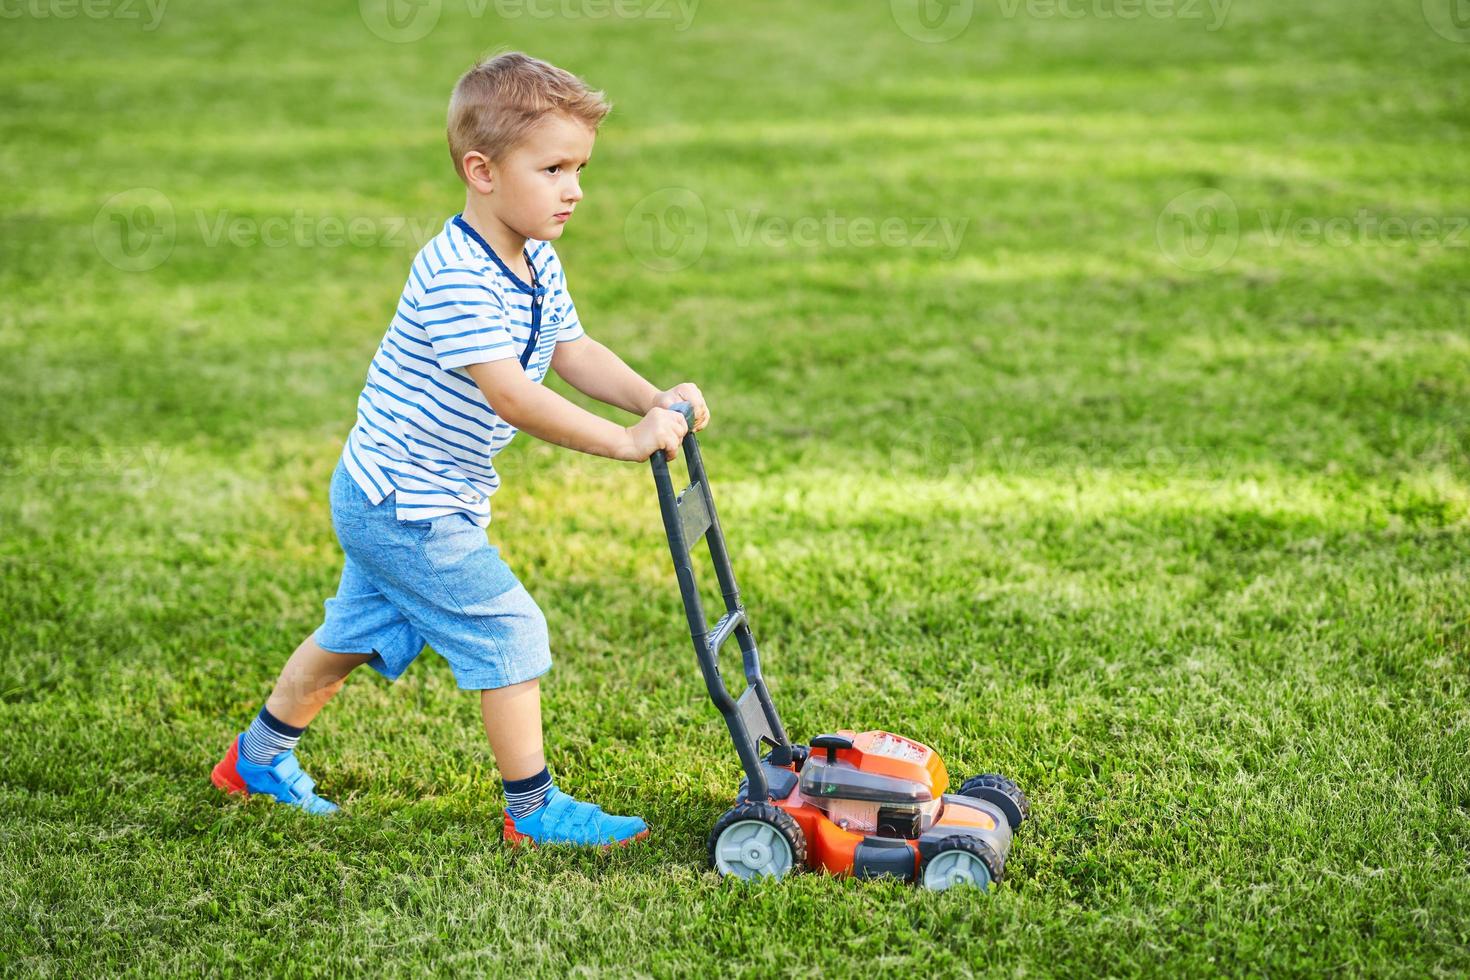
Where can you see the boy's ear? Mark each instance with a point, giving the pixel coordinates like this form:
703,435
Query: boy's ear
478,172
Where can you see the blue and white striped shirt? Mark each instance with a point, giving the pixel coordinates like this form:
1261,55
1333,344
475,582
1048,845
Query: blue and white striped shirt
424,431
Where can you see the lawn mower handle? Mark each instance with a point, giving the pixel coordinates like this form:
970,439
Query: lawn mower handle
689,515
685,409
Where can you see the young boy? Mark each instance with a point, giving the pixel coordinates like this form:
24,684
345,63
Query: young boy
484,313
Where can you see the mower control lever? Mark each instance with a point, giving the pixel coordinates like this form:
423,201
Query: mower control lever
831,743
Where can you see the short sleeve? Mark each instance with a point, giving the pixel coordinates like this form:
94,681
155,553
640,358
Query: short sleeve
465,319
568,326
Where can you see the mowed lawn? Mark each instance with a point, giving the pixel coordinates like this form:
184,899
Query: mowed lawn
1091,401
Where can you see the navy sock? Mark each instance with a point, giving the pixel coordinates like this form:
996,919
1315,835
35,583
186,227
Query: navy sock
526,796
267,737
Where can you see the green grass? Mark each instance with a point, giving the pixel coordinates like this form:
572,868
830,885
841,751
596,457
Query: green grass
1183,549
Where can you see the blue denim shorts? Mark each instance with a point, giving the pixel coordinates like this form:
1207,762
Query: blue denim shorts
438,581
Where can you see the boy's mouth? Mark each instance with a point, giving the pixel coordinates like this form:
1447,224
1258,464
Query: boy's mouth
562,215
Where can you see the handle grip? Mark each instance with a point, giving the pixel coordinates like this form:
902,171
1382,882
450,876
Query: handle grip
685,409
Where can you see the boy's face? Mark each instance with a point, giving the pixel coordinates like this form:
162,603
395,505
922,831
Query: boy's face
535,187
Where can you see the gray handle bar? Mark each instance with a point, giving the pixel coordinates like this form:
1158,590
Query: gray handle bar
689,516
685,409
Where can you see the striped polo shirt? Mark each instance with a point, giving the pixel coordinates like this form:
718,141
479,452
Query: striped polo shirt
424,431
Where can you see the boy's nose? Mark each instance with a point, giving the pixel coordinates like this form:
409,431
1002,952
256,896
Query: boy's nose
573,193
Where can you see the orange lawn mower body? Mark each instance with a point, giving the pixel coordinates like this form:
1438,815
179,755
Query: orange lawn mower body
864,804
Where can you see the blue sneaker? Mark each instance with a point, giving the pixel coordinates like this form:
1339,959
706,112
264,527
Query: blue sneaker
282,779
563,820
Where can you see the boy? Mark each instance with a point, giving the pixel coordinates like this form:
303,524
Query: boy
485,312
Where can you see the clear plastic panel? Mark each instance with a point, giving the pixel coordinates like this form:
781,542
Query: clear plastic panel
843,781
854,815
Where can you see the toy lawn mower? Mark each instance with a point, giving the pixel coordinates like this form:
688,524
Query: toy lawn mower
865,804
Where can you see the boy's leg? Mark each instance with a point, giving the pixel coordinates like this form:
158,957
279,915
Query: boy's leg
361,622
512,717
449,586
536,811
312,677
263,759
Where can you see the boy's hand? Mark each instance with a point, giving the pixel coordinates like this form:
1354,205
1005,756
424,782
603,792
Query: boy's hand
660,429
685,392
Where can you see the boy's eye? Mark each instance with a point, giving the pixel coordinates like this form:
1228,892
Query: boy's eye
553,168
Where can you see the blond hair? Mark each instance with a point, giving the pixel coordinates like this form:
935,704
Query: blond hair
499,101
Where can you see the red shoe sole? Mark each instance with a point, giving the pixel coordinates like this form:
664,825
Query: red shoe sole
515,838
226,776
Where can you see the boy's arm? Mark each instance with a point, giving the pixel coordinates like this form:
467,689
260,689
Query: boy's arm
546,415
595,371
